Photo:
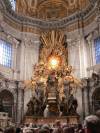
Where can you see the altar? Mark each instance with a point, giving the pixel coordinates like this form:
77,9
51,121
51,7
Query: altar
53,84
70,120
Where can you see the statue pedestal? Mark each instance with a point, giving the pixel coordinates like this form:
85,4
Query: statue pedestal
50,120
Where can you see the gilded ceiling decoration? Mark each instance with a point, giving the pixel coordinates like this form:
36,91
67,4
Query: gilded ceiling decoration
29,14
50,9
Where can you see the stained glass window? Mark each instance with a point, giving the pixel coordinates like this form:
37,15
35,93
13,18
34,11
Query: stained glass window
13,4
5,53
97,49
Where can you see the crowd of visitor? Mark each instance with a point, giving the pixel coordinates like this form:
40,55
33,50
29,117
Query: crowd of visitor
91,124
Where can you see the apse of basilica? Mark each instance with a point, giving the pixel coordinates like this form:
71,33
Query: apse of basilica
49,52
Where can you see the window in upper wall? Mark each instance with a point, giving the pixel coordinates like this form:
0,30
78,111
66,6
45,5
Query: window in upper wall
13,4
97,50
5,53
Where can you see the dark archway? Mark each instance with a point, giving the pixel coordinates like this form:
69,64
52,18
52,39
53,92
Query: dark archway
7,100
96,100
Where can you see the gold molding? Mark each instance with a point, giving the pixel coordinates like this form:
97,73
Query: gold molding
36,30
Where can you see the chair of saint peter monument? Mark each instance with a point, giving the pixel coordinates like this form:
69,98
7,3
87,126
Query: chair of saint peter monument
52,82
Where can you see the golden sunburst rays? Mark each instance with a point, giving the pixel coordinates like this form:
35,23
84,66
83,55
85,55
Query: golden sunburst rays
52,38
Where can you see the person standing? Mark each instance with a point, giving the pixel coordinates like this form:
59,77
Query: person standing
92,124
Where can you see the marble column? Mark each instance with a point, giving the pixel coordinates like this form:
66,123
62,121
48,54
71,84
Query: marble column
19,101
73,57
29,57
16,59
88,95
22,104
83,103
83,56
16,107
91,53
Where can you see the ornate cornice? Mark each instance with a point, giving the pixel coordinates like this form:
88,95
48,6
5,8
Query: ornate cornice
34,22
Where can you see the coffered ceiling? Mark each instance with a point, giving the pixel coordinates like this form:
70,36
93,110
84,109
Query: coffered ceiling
50,9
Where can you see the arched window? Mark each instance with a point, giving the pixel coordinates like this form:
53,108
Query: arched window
5,53
13,4
97,50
